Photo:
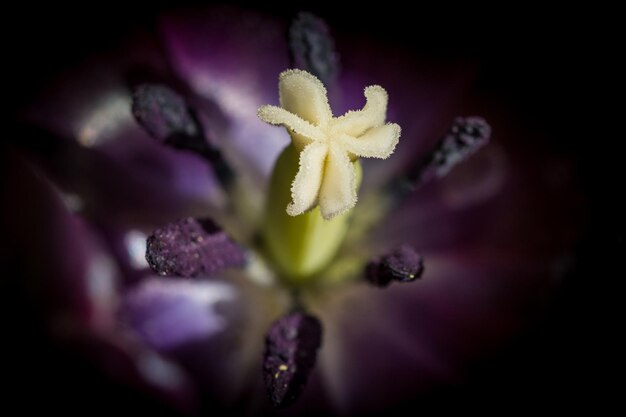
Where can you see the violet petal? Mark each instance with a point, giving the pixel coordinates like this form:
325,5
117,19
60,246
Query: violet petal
130,180
236,67
51,249
190,247
169,313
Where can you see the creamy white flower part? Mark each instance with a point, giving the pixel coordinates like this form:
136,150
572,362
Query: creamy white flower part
328,144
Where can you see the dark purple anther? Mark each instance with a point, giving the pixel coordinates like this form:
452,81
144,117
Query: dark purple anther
312,48
190,248
291,346
465,136
164,114
402,264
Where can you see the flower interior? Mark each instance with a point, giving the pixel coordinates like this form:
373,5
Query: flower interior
310,201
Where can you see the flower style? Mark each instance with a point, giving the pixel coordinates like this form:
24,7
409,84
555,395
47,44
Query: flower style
328,144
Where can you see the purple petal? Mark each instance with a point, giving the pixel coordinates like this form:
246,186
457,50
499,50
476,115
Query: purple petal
136,183
213,329
170,313
507,195
491,232
90,102
127,363
235,66
53,249
384,346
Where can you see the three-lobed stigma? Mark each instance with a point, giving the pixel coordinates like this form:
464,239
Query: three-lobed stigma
328,145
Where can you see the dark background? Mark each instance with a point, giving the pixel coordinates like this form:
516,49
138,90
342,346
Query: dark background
560,62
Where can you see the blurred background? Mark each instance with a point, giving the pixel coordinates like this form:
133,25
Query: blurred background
548,65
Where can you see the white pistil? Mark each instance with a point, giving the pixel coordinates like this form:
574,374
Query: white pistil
328,144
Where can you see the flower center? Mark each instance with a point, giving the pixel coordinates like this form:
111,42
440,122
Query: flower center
315,180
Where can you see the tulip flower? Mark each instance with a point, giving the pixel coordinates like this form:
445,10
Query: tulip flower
237,213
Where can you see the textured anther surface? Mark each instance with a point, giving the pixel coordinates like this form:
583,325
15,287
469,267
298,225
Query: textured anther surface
189,248
290,351
403,264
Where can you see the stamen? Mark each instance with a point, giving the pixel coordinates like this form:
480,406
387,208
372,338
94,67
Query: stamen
312,48
403,264
190,248
166,117
290,351
163,113
464,138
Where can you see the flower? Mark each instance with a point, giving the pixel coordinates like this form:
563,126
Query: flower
328,144
101,185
